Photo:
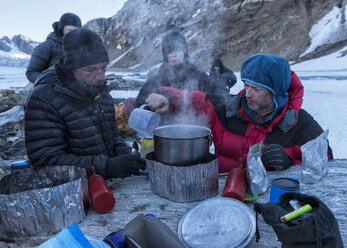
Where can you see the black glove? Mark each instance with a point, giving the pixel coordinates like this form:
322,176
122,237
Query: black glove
276,157
124,166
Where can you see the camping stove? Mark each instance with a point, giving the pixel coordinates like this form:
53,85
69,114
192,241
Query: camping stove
184,183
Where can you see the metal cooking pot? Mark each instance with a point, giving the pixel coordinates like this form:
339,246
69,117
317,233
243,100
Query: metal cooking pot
181,144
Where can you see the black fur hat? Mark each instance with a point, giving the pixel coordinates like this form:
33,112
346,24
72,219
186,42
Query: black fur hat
83,47
68,19
174,40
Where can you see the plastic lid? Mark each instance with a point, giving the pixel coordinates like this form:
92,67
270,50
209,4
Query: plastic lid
286,183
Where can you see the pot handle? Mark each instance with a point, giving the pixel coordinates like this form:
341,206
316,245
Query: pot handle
210,139
145,107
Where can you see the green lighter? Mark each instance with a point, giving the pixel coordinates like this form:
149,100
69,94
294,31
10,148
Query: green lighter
292,215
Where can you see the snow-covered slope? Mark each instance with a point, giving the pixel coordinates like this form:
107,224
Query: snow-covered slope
11,53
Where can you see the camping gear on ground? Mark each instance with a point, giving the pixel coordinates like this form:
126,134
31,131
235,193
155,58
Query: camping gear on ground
42,200
73,237
149,232
235,185
282,185
219,222
314,159
184,183
115,239
20,165
181,144
100,194
144,121
257,177
296,213
315,229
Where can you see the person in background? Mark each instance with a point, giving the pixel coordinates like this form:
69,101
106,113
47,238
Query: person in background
50,51
70,117
221,77
176,71
268,109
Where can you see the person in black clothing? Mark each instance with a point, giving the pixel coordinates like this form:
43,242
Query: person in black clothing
50,51
221,77
70,117
176,71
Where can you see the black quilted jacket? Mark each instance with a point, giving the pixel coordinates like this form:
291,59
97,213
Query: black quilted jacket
66,124
44,55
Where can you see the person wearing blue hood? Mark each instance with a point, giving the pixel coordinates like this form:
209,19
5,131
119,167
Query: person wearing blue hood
50,51
268,109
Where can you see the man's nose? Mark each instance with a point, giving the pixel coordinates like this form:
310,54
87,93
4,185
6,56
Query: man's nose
249,93
100,75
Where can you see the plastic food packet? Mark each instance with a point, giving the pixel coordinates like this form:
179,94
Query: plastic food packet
315,159
258,179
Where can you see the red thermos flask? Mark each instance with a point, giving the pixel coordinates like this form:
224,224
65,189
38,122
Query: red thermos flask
235,186
100,194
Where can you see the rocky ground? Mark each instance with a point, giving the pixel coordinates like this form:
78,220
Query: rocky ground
134,196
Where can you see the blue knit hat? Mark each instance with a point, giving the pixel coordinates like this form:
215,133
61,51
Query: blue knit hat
271,72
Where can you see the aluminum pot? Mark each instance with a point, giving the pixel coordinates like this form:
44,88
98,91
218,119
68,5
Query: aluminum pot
181,144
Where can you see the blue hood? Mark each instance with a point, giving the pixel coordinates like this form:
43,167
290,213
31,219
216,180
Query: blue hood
271,72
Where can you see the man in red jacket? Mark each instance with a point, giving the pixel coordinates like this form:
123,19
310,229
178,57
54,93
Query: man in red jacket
268,109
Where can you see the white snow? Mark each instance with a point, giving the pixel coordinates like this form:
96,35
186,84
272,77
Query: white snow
330,29
123,94
196,13
14,57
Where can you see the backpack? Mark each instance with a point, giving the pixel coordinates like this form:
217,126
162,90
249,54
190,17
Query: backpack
317,228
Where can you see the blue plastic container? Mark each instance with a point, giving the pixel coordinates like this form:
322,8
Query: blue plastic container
283,185
20,165
115,239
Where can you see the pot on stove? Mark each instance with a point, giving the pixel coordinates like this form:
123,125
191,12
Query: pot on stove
181,145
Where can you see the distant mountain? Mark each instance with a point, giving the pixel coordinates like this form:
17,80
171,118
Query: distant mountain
16,51
230,30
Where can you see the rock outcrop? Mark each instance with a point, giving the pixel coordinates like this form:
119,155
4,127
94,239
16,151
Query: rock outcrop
230,30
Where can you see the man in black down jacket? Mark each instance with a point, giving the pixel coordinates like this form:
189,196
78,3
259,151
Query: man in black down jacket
176,71
50,51
70,117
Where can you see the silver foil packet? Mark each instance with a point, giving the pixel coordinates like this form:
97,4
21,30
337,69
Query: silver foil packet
43,200
315,159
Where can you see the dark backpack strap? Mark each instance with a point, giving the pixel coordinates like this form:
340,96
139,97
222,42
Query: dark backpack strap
257,233
318,231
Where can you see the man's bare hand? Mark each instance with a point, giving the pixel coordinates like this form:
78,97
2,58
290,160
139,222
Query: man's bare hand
158,103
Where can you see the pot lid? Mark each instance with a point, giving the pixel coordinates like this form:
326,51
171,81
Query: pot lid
286,183
218,222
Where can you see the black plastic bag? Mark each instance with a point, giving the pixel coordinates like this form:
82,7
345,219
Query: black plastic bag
316,228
